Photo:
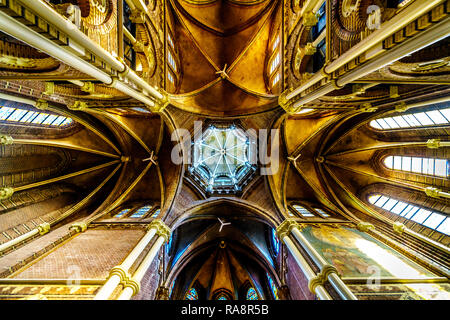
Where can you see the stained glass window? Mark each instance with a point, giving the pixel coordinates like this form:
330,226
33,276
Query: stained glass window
321,212
429,166
171,288
302,211
156,213
275,62
121,213
435,117
275,242
141,212
251,294
428,218
276,79
222,159
192,294
273,288
171,60
170,77
28,116
222,297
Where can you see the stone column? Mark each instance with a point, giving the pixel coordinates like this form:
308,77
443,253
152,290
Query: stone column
315,282
327,271
119,274
132,286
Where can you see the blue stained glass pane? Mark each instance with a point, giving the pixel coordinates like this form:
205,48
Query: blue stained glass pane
121,213
419,215
5,112
29,116
50,119
41,117
304,212
251,294
58,121
273,287
192,294
222,298
141,212
156,213
67,122
275,242
17,115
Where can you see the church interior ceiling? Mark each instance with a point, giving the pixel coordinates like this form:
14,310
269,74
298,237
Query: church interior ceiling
224,149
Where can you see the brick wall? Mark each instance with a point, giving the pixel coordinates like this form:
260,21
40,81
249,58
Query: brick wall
89,255
295,279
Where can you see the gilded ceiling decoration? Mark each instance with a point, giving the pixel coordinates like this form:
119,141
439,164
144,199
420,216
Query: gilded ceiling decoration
323,149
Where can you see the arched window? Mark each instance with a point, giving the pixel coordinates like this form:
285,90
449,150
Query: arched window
192,294
273,72
172,69
17,115
251,294
275,242
273,288
428,218
141,212
169,244
222,297
122,213
435,117
302,211
322,213
429,166
156,213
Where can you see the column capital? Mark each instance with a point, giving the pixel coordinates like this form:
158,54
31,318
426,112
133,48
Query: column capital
401,107
321,277
433,143
120,272
88,87
133,284
5,139
137,16
43,228
367,107
287,104
310,19
78,105
399,227
6,193
49,88
78,226
161,104
310,49
432,192
285,227
162,229
41,104
364,226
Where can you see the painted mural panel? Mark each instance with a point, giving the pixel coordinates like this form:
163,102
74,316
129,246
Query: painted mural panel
356,254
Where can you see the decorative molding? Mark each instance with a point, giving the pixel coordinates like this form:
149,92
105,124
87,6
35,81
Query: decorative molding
162,229
364,226
6,193
6,140
284,229
43,228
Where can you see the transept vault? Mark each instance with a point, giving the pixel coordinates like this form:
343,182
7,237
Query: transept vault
224,150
